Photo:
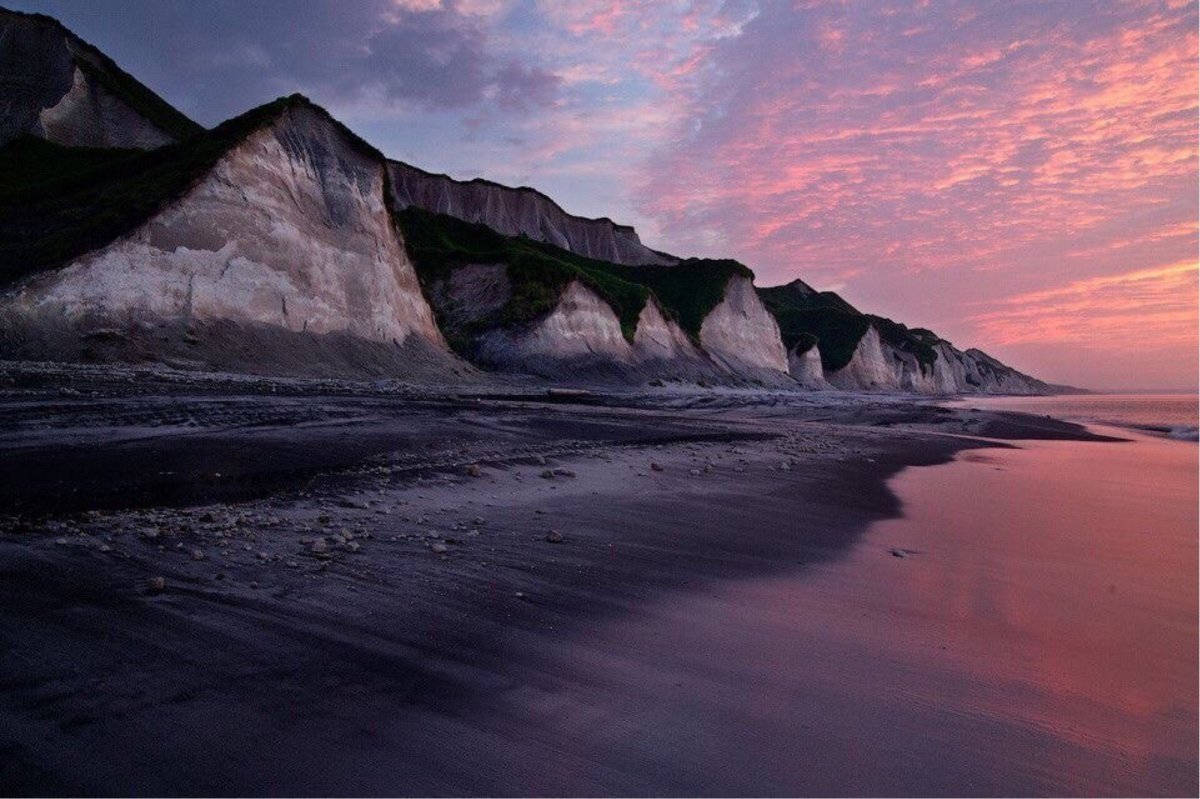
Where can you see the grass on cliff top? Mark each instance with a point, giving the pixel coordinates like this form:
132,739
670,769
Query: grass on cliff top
828,321
540,272
58,203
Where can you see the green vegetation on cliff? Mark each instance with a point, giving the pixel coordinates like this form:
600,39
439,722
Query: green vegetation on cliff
539,273
808,317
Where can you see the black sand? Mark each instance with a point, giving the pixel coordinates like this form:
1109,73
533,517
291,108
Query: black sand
258,587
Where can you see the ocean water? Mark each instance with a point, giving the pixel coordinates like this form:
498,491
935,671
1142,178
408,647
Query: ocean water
1172,415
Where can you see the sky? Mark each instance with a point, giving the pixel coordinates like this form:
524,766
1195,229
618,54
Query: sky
1017,176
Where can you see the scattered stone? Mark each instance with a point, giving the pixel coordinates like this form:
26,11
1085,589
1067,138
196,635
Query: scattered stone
157,585
521,596
474,471
547,474
899,553
657,467
439,548
319,547
554,537
197,554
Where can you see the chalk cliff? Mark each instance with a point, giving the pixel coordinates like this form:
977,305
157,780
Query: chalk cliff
741,335
582,337
54,85
879,366
287,238
519,211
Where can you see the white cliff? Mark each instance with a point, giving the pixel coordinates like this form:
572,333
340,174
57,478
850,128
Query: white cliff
805,367
741,335
519,211
878,366
580,337
288,235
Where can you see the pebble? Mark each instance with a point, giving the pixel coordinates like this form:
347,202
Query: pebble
554,537
474,471
439,548
657,467
157,585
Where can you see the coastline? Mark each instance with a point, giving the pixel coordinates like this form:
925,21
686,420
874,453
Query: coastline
400,657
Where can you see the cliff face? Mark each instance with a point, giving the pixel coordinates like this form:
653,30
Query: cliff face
582,337
879,366
55,86
288,235
741,335
805,368
520,211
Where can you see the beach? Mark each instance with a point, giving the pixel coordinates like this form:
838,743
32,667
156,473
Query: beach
287,587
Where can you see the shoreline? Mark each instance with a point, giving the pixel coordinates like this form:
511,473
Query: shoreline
432,589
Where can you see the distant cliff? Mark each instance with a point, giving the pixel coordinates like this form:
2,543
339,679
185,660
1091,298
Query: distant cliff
55,86
832,344
519,211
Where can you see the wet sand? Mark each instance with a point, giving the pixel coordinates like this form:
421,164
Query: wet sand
1029,627
733,622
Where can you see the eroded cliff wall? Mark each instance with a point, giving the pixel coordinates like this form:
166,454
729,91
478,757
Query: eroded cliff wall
519,211
288,236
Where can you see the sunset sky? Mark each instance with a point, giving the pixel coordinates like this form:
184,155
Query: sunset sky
1017,176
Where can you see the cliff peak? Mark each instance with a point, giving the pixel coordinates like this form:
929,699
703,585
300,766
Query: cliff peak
61,88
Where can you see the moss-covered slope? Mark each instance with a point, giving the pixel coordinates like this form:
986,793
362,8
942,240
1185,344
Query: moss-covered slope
539,272
807,318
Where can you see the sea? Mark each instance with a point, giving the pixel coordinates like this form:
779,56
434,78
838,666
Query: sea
1171,415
